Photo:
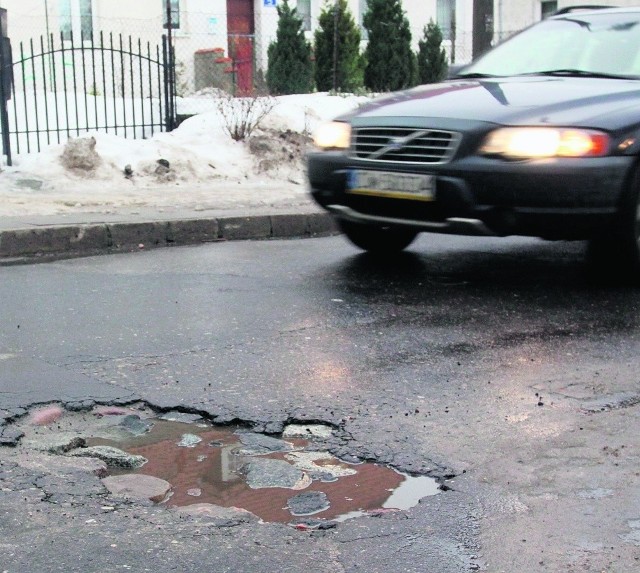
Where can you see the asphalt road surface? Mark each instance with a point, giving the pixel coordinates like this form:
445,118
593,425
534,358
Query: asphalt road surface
496,365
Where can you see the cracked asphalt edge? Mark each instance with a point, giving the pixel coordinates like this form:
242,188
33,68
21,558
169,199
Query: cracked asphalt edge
340,444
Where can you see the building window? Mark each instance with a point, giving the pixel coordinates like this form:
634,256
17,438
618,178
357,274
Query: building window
444,17
171,9
304,13
547,8
76,19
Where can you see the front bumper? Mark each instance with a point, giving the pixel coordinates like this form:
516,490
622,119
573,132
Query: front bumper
555,198
451,225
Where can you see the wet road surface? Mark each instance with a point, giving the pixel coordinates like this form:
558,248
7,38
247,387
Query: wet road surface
497,366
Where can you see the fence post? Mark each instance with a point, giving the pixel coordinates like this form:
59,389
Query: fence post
169,84
6,82
169,72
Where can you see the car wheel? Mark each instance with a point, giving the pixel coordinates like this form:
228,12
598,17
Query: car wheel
616,254
378,240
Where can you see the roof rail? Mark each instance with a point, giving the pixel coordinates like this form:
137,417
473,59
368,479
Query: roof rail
570,9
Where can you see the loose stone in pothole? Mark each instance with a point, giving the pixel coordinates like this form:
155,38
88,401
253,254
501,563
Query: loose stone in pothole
189,441
308,503
269,473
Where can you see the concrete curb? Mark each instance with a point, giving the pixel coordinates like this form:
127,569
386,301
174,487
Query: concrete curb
64,241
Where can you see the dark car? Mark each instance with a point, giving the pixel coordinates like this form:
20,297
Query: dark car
539,137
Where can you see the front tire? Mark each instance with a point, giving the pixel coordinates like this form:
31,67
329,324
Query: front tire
377,240
616,254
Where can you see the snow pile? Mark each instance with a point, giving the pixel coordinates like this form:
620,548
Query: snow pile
182,168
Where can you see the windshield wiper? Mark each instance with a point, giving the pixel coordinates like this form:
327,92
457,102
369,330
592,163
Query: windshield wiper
575,73
474,75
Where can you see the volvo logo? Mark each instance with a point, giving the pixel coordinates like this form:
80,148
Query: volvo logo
396,143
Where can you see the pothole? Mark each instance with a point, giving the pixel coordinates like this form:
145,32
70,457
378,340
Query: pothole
182,461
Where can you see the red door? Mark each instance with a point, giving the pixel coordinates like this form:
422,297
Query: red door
240,30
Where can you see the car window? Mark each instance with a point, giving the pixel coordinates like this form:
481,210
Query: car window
606,43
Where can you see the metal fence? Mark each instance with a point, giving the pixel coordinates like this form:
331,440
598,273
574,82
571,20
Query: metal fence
62,87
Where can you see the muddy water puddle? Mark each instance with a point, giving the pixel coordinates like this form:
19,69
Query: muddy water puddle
182,461
278,479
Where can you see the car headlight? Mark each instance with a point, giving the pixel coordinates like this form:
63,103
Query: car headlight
538,142
333,135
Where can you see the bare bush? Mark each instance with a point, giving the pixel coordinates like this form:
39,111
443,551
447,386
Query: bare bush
242,115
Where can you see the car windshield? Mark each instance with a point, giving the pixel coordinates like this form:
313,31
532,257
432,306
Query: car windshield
594,44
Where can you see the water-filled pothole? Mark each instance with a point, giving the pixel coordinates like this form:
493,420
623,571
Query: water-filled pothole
287,479
275,479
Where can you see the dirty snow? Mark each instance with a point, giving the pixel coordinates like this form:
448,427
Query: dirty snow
207,169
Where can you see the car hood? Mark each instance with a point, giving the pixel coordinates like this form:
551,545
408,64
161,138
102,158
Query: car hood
585,102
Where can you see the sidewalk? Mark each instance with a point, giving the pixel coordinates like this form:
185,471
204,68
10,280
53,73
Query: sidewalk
35,233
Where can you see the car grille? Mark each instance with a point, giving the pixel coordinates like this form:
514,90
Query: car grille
406,145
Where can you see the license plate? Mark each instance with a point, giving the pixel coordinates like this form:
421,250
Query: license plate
396,185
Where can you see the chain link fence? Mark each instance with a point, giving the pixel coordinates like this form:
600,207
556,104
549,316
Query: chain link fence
212,50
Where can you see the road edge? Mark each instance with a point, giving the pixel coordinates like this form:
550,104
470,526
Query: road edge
33,244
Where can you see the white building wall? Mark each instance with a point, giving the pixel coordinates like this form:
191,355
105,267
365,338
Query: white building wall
31,18
266,27
24,16
513,15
